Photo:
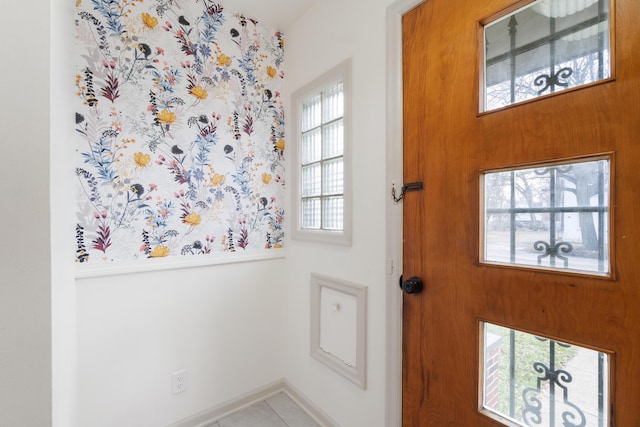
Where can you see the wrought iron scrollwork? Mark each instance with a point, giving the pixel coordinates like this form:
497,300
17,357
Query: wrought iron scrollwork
558,343
560,169
553,80
553,251
572,416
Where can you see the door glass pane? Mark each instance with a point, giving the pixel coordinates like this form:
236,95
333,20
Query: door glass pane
551,216
545,47
535,381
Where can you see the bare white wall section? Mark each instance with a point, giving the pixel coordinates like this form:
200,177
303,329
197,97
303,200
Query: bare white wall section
330,32
25,284
222,324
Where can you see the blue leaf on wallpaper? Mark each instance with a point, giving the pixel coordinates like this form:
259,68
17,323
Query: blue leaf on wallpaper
112,11
242,176
248,64
212,19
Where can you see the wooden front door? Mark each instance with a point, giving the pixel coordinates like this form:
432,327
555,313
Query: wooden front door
452,147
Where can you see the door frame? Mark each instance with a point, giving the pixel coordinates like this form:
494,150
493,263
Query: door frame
393,231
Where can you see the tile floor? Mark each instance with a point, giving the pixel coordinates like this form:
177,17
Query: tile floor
276,411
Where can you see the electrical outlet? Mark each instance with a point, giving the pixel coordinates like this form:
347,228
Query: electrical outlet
179,383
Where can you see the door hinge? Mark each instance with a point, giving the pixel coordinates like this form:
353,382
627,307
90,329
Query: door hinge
411,186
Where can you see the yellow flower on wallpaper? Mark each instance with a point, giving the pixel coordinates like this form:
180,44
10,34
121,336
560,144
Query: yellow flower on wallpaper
159,252
217,179
266,178
280,144
167,117
199,92
224,60
141,159
192,219
149,21
271,72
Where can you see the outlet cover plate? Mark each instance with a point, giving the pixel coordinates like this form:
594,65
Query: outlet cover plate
179,381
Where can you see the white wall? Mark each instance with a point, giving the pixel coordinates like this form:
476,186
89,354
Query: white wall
221,323
25,289
326,35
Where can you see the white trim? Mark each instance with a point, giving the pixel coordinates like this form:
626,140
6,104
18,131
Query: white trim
339,73
211,415
308,406
394,155
356,374
157,264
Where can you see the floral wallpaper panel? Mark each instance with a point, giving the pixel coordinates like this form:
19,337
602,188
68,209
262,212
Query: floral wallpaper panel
180,128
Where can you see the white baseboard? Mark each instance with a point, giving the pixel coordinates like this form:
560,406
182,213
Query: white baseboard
308,406
211,415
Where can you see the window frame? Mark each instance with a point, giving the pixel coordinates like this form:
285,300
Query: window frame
338,74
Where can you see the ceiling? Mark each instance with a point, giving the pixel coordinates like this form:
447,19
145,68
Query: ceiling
277,14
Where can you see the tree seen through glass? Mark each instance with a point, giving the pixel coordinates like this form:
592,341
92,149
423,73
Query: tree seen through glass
551,216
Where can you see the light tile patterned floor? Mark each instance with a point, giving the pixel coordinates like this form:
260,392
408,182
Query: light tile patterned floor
276,411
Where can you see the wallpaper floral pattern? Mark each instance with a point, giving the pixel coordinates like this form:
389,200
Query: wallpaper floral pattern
181,131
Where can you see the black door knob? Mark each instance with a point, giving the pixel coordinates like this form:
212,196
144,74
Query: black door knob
412,285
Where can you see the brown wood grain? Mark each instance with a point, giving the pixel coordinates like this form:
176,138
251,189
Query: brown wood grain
447,144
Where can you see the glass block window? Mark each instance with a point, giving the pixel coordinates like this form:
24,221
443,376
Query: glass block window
545,47
322,159
321,128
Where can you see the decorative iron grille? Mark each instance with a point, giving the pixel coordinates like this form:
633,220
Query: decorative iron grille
543,47
537,381
559,213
